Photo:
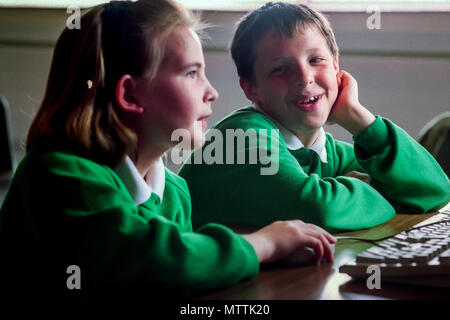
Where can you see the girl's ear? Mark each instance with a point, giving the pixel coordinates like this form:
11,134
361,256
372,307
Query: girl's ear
249,90
124,95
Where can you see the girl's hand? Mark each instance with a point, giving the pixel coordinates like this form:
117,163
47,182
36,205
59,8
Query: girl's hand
282,238
347,111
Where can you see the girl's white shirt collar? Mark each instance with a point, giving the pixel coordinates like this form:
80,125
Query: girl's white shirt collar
139,188
294,143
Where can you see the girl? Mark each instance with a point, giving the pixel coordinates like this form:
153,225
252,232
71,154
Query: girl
91,205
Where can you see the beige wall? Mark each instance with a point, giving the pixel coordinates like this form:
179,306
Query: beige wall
403,69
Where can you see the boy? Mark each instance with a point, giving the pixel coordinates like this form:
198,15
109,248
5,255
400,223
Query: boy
287,60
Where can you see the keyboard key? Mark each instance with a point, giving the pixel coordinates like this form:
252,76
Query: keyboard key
392,259
368,258
444,258
401,236
406,258
422,257
377,250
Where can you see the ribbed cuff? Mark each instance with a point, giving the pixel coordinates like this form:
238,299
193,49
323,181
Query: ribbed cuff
374,137
252,258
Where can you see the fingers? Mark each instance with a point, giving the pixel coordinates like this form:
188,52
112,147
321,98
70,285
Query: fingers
364,177
328,236
321,248
317,245
339,79
344,78
320,241
327,250
282,238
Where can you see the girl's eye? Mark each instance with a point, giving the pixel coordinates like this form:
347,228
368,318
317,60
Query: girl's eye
192,74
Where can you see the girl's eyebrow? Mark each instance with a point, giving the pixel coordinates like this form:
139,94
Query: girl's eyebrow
193,64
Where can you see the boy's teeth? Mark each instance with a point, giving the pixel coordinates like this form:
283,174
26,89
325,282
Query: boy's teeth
312,99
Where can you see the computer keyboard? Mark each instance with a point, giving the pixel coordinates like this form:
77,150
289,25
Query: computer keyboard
418,256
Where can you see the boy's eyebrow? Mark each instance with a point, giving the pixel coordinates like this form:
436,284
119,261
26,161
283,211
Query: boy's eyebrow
287,58
282,58
313,49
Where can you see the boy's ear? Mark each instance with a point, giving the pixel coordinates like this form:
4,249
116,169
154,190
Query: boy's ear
249,90
336,64
124,95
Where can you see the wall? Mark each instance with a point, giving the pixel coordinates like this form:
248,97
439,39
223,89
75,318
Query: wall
403,69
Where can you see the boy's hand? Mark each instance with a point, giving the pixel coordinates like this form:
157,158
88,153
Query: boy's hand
347,111
364,177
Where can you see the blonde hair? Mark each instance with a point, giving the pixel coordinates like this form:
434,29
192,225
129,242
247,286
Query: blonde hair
79,109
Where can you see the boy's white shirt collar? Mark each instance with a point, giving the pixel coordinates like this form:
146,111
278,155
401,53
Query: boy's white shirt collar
294,143
139,188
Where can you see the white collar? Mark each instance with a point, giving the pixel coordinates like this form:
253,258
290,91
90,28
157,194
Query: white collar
139,188
294,143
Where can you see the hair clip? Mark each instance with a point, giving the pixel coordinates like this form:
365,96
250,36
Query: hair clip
89,84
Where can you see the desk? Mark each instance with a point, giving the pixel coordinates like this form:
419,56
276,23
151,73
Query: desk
325,281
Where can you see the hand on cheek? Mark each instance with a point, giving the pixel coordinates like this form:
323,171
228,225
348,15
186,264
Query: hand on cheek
347,111
347,97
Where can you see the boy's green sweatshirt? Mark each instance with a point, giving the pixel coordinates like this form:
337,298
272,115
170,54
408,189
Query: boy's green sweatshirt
63,209
405,177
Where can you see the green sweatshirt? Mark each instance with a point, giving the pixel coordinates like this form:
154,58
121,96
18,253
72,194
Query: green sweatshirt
405,178
63,209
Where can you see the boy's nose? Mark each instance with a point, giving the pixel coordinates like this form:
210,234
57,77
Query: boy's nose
304,76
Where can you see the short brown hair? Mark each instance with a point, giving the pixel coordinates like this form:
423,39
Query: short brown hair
278,17
79,108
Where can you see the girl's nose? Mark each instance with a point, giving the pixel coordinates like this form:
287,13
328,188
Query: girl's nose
211,93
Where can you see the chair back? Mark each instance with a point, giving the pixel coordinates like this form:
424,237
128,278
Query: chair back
7,163
435,137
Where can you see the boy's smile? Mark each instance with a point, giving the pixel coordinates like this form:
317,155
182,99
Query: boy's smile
295,80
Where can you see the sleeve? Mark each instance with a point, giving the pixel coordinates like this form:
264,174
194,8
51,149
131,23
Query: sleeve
86,217
240,193
344,160
401,169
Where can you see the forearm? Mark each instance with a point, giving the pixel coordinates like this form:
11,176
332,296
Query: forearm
404,172
263,248
357,119
333,203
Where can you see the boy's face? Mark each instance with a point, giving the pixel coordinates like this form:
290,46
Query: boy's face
180,95
294,79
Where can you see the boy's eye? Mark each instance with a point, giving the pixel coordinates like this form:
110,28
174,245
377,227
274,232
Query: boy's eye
317,59
279,70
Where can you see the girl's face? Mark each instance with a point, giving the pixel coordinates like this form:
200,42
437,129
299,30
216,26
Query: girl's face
180,95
